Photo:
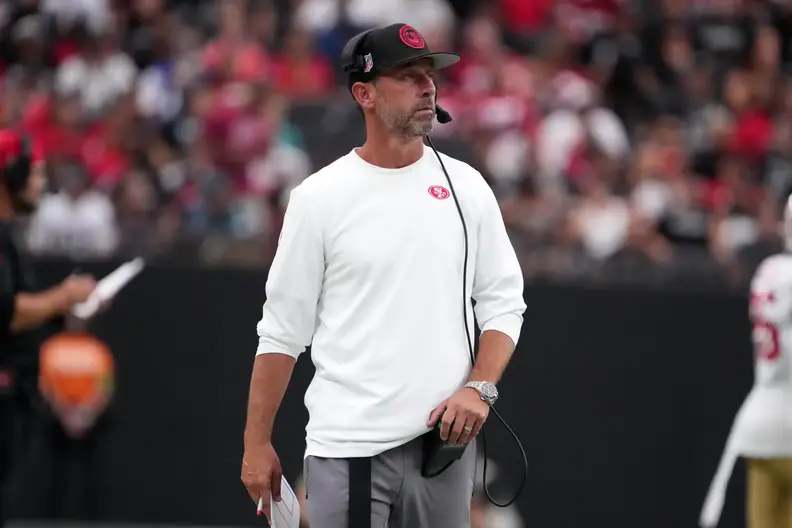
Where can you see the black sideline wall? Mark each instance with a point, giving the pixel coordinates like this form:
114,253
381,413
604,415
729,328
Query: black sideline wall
622,399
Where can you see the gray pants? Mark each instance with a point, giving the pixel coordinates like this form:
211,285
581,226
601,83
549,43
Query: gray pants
400,496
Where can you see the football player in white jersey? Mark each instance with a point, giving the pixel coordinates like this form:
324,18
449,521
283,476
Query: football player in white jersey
762,430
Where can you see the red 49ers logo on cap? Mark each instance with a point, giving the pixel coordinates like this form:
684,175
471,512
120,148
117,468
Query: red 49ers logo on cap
411,37
439,192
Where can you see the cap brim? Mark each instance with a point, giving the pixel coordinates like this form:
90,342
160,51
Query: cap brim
440,60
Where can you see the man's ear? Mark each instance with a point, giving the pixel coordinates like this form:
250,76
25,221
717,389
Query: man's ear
364,94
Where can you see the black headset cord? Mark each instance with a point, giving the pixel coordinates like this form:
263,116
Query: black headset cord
470,349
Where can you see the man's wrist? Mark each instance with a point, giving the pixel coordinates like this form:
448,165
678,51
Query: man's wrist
258,437
479,378
63,300
486,390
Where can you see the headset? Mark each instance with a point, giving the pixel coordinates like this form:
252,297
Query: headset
353,63
16,172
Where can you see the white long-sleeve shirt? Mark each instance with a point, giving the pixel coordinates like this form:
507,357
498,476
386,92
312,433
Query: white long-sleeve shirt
368,271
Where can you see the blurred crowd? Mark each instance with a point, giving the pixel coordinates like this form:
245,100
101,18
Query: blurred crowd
624,138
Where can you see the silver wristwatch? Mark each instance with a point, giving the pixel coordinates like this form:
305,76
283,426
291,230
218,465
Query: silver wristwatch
487,390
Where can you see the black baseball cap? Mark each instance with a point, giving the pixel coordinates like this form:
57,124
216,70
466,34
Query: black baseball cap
370,53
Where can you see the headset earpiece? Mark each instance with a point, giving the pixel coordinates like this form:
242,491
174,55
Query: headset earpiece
351,61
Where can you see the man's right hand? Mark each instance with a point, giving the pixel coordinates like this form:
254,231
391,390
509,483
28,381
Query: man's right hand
34,309
261,475
78,287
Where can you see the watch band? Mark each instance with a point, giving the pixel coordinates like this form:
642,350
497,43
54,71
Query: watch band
475,385
487,391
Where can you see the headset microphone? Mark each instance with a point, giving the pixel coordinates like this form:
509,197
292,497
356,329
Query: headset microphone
443,117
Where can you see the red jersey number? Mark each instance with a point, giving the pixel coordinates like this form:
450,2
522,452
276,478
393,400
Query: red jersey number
765,334
765,338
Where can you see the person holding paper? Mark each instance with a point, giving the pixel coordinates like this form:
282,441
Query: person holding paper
27,314
380,255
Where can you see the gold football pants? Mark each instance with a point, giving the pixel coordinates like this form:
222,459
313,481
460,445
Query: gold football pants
769,493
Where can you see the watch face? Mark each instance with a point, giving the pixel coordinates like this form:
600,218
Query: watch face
489,391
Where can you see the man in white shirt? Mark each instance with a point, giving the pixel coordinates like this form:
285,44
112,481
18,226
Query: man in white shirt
762,430
99,73
369,271
77,221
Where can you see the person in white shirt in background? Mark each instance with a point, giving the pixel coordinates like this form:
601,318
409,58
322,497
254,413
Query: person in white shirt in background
762,429
99,73
369,271
75,221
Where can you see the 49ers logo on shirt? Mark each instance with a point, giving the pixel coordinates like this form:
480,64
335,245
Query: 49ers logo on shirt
439,192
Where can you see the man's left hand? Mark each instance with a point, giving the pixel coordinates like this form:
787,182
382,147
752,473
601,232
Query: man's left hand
463,415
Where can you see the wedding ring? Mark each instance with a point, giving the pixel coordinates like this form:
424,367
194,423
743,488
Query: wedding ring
467,429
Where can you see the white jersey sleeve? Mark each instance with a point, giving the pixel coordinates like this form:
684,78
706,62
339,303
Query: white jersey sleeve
771,320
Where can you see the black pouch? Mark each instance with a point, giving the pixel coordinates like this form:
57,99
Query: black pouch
438,455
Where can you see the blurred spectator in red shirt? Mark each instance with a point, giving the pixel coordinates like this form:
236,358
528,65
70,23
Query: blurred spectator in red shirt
57,124
483,53
238,131
299,72
752,129
233,54
106,145
519,16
